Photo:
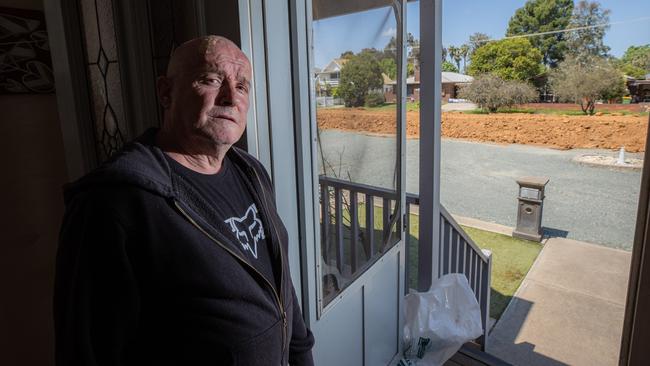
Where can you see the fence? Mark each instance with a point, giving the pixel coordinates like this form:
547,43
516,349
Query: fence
328,101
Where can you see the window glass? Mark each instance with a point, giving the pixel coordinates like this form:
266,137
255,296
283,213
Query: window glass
355,78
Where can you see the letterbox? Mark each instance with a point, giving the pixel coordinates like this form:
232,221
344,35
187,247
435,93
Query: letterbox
529,209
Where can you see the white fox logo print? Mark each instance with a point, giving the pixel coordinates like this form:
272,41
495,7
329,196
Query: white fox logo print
248,229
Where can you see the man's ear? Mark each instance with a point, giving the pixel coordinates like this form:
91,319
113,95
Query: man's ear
164,90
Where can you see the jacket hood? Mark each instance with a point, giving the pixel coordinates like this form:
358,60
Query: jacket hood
139,163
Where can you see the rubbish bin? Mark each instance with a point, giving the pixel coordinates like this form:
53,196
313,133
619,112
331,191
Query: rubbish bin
529,209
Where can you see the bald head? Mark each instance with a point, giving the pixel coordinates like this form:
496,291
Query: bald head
199,51
205,93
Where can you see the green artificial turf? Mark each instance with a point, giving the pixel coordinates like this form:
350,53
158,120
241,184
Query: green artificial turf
511,260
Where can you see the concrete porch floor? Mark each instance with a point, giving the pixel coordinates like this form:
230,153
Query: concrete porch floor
568,310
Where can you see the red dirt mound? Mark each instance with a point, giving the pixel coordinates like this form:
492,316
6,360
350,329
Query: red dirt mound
608,131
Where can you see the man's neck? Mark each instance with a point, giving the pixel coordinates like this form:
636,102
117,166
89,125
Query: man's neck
204,161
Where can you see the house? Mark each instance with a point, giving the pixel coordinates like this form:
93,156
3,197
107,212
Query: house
639,89
451,82
350,278
331,73
412,88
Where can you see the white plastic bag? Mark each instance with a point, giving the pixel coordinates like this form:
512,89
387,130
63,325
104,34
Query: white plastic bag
439,321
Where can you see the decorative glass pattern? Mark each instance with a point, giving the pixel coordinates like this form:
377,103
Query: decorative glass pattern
104,76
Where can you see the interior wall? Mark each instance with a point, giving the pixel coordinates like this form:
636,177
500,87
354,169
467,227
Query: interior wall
33,171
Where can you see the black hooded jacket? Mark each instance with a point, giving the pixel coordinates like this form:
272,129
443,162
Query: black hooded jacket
143,278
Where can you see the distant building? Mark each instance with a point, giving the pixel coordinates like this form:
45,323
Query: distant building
451,81
639,89
331,74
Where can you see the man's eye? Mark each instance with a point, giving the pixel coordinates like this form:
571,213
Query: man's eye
210,81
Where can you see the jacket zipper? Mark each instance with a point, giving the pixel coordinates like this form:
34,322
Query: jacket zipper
283,313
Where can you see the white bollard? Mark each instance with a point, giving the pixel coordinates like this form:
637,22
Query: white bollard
621,156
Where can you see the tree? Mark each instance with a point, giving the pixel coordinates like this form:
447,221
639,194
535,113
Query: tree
335,92
454,53
448,66
377,54
632,71
636,61
359,75
537,16
389,67
477,40
463,50
588,42
586,81
491,92
444,53
510,59
347,54
413,46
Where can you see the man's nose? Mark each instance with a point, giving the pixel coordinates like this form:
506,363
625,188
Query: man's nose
226,92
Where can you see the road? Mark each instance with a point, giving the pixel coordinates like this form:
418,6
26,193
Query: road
587,203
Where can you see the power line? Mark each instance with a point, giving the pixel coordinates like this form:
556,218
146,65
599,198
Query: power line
566,30
577,28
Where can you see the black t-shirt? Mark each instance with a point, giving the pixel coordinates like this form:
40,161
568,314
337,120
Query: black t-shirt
237,212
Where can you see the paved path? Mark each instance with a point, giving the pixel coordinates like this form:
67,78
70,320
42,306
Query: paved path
458,107
588,203
569,309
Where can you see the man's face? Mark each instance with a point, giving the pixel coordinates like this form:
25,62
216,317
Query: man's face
209,96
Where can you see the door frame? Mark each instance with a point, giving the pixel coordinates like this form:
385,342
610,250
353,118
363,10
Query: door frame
636,324
72,93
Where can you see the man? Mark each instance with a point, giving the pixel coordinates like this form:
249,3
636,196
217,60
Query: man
172,252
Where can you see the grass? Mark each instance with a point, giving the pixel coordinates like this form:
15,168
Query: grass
511,260
565,112
410,107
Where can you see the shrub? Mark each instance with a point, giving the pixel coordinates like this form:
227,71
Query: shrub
490,92
375,99
586,81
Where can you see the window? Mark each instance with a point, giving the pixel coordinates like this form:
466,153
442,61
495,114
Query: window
357,141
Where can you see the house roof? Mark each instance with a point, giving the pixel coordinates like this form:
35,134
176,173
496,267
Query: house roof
409,80
447,77
454,77
334,65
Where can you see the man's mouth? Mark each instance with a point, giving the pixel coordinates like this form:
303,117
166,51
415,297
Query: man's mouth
225,116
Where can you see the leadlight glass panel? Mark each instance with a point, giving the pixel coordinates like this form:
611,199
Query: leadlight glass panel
104,76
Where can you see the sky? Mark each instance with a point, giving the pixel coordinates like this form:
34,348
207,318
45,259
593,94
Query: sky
460,19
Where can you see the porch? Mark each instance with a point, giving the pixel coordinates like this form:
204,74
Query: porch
348,231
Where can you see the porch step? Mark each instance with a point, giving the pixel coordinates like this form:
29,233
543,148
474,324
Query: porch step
470,355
